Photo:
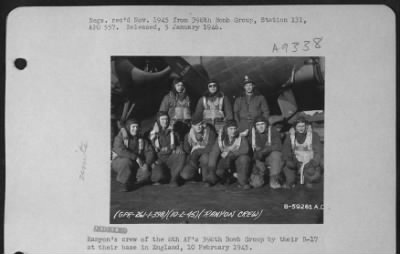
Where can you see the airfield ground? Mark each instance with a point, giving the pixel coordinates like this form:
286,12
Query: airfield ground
304,205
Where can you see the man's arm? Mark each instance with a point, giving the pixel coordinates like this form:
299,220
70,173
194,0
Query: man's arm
211,140
186,146
287,152
317,148
244,147
215,150
236,109
227,109
264,107
165,103
199,107
149,153
276,143
120,149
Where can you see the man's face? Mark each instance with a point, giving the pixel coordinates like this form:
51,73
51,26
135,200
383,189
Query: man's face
179,87
231,131
249,87
301,128
198,128
261,126
134,129
212,88
164,121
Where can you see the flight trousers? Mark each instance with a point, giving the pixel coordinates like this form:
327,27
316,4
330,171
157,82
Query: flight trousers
168,167
240,163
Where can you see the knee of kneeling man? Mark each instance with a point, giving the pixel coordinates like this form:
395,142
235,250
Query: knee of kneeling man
186,174
276,155
204,158
122,162
244,159
220,172
312,173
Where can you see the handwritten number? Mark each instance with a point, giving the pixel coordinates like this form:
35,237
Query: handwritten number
306,47
285,47
295,44
317,42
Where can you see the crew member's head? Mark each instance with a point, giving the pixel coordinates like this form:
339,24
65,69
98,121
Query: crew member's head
248,85
231,128
213,87
261,123
179,85
197,123
163,119
132,126
301,125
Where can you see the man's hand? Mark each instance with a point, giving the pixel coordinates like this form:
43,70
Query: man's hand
224,154
143,173
179,150
140,162
244,133
165,149
291,164
313,163
258,155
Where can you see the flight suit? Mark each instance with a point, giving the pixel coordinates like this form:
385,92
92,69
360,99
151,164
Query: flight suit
170,157
267,148
178,108
246,108
215,109
128,154
302,152
198,148
237,158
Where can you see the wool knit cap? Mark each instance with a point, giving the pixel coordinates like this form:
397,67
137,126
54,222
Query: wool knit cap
300,119
162,113
197,119
177,80
231,123
259,119
131,121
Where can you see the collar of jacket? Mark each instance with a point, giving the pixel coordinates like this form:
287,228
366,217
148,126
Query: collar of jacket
217,94
173,93
255,93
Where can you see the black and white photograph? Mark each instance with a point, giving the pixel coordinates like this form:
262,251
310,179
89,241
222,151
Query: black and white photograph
200,129
217,140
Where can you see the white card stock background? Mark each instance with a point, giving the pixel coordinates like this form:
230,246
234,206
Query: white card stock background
62,100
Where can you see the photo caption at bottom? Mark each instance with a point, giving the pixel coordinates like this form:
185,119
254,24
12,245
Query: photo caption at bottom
193,243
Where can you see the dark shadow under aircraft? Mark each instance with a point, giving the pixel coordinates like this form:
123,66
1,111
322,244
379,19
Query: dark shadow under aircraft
290,84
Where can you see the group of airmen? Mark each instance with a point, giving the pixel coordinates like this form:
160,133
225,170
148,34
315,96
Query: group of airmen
216,144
